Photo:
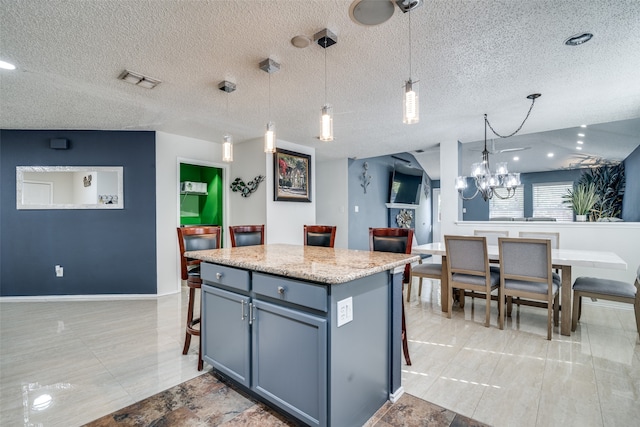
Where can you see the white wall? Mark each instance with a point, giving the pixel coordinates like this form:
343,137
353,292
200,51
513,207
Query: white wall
332,199
285,220
249,161
169,150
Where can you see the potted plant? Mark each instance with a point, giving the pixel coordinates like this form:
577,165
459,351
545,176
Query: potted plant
581,199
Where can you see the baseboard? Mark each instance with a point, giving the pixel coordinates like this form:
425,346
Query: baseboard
107,297
393,397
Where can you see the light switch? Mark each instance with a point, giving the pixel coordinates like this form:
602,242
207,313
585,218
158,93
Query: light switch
356,208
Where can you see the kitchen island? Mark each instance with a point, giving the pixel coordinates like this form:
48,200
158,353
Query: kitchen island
313,331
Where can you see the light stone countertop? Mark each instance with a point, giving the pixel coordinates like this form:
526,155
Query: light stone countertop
317,264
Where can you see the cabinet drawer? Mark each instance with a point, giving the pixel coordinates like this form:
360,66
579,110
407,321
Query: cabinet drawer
227,276
293,291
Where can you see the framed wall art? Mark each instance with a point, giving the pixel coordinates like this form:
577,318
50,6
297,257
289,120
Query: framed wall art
292,176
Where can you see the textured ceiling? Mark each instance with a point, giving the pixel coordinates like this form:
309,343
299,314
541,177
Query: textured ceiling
470,56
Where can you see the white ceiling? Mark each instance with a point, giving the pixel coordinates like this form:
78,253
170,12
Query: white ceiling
470,56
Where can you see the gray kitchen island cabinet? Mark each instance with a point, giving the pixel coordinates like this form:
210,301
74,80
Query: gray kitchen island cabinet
324,353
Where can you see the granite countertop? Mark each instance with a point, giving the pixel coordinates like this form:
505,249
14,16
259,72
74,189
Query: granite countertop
318,264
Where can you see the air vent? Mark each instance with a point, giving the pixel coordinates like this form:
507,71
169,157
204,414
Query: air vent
139,79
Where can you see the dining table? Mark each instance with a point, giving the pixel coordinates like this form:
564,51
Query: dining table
563,259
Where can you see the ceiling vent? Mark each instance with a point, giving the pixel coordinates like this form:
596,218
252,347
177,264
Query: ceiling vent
139,79
407,5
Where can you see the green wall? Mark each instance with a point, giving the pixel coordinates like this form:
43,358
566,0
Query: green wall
201,209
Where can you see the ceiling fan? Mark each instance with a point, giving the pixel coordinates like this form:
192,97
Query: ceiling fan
493,150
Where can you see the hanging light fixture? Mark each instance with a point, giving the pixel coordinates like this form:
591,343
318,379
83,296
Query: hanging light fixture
490,184
227,140
325,39
410,101
270,66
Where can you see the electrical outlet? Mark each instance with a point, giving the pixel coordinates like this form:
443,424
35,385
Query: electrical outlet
345,311
59,271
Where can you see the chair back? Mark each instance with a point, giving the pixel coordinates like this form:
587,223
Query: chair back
246,235
554,237
467,255
196,238
319,235
525,259
398,240
491,235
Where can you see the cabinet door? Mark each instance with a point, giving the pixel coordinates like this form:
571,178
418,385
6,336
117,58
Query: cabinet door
290,360
225,332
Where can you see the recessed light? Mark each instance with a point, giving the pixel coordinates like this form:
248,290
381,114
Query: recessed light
583,126
7,66
581,135
371,12
578,39
516,158
578,148
580,142
549,154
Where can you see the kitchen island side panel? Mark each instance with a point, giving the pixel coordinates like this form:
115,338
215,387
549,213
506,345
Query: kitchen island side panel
359,350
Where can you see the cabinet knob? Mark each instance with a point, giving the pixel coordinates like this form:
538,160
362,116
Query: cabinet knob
281,290
218,276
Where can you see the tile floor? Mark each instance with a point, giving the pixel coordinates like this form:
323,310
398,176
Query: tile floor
68,363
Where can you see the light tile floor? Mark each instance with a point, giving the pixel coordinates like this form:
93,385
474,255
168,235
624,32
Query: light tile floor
68,363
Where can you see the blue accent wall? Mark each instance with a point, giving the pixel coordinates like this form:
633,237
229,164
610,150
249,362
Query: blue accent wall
631,200
101,251
372,210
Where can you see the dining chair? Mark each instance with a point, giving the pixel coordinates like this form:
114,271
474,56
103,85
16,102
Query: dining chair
554,237
396,240
246,235
428,270
491,235
525,271
468,268
194,238
612,290
319,235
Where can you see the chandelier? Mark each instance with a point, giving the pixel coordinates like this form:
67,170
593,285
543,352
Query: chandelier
501,183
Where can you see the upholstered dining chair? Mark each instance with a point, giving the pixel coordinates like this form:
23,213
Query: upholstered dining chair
468,268
319,235
491,235
398,240
194,238
612,290
553,236
246,235
525,271
426,270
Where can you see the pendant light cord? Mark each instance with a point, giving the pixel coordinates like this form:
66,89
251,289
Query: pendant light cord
533,101
410,70
269,97
325,70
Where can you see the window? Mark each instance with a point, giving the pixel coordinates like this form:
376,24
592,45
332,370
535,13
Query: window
547,201
507,208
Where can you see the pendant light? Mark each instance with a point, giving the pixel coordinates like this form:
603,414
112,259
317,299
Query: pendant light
227,140
325,39
410,104
270,66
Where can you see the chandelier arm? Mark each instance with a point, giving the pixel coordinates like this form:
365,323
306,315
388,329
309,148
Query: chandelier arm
533,101
461,191
510,194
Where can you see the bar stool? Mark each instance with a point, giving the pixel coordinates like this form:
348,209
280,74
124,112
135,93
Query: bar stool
246,235
194,238
319,235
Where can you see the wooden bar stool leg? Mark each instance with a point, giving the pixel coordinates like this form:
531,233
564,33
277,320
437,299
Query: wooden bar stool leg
405,343
187,338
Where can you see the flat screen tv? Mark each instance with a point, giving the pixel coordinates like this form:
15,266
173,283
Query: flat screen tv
406,184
